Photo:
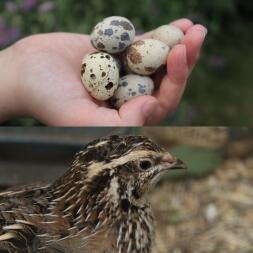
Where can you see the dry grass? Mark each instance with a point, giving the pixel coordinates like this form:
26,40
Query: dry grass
214,214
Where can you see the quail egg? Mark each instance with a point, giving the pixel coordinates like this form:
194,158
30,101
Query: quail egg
144,57
131,86
100,75
113,34
168,34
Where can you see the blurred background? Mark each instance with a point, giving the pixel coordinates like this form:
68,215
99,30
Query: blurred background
219,91
207,208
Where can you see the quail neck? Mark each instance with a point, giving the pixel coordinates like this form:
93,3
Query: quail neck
99,205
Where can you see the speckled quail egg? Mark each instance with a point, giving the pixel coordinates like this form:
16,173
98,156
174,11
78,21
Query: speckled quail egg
169,34
144,57
131,86
113,34
100,75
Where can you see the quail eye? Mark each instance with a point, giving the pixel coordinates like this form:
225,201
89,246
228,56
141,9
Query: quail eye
145,164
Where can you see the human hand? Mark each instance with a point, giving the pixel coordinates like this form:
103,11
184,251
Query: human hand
49,88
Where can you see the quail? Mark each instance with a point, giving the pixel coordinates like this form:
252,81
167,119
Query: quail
100,205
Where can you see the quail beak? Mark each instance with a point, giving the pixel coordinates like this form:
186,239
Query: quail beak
168,163
178,164
172,163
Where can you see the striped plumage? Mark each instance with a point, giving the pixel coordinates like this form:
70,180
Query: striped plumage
98,206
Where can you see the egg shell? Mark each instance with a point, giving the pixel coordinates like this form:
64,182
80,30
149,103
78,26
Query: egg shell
169,34
100,75
131,86
113,34
145,56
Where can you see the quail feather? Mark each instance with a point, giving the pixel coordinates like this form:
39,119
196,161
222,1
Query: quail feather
100,205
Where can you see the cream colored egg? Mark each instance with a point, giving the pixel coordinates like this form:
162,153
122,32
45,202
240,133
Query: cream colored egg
169,34
100,75
131,86
144,57
113,34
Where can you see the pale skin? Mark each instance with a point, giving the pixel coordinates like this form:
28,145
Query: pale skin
40,78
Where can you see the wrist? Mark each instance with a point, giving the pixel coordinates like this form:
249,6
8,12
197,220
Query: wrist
9,97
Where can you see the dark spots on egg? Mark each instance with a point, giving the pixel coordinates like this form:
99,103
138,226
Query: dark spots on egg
108,57
124,84
83,69
141,89
121,45
109,65
126,25
103,74
109,86
115,22
134,56
124,36
108,32
100,32
133,93
93,76
114,48
100,45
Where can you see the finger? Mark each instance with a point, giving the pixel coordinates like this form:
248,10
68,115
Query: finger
137,111
183,24
193,41
173,84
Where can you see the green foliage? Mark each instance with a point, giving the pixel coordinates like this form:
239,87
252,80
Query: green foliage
200,162
81,16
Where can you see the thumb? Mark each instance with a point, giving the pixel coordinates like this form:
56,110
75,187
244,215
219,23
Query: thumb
137,111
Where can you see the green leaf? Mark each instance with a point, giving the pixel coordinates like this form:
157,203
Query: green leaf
199,161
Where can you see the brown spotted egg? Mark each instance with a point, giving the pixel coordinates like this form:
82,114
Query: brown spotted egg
169,34
131,86
113,34
145,56
100,75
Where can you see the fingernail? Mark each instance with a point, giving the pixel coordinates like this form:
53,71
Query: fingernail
205,31
202,29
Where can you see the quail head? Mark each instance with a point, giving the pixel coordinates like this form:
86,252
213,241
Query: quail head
100,205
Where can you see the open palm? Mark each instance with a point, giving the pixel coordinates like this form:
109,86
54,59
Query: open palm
52,92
